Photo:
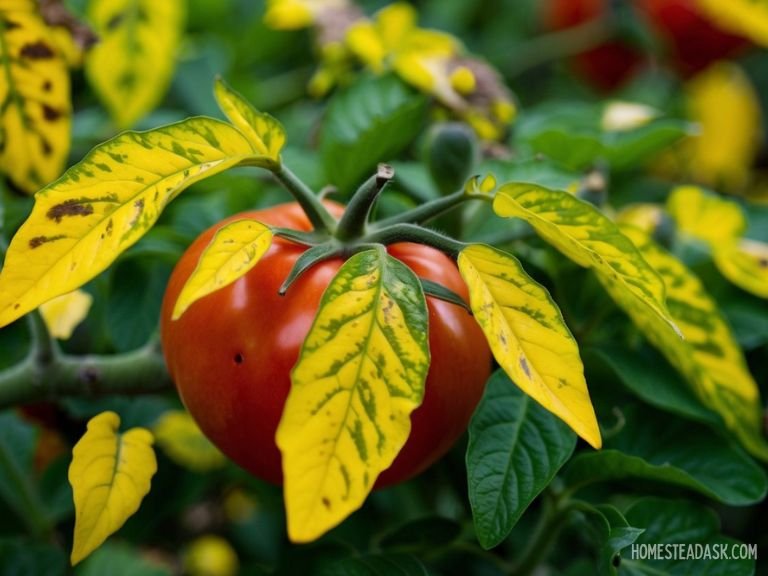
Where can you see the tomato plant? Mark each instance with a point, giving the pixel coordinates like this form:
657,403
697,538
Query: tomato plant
231,353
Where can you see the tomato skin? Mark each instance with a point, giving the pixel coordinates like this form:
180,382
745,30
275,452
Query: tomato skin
231,353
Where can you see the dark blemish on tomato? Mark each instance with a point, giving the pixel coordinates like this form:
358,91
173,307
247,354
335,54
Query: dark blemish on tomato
37,51
69,208
239,358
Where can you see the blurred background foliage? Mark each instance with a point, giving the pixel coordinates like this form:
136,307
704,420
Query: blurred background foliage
616,142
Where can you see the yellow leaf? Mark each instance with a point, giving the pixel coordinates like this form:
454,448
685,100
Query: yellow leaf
723,153
64,313
35,115
103,205
705,216
745,263
586,236
709,356
131,66
235,249
645,216
110,474
748,18
296,14
180,438
210,555
528,336
264,132
360,374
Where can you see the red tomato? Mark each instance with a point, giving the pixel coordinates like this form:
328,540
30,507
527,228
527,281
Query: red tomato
231,353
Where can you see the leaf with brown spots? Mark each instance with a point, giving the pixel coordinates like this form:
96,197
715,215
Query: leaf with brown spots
35,113
131,66
528,336
103,205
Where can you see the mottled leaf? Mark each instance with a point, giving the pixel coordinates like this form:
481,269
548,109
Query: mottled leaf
586,236
110,475
709,356
234,249
131,66
528,336
104,204
515,449
745,264
265,133
65,312
35,114
360,374
181,439
705,216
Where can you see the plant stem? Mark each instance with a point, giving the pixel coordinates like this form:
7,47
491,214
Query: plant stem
427,211
414,233
355,219
139,371
318,215
544,535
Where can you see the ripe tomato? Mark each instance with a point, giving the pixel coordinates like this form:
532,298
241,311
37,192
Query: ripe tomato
231,352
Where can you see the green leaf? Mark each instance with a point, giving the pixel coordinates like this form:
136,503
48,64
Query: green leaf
370,122
515,449
614,535
696,529
376,565
265,133
131,66
589,238
110,475
709,357
674,452
359,376
422,535
35,111
661,387
105,203
232,252
122,560
528,336
22,557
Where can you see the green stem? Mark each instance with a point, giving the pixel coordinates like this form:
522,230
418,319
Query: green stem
318,215
417,234
545,533
427,211
139,371
26,501
355,219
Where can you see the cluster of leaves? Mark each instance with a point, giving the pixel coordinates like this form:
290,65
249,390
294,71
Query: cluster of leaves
658,297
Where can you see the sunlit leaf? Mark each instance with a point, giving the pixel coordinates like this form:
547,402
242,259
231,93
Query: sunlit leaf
360,375
748,18
591,239
528,336
745,263
101,206
131,66
179,437
709,356
235,249
65,312
264,132
110,474
35,115
705,216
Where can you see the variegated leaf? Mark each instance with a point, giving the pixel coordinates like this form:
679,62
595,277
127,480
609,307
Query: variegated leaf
360,374
705,216
528,336
104,204
131,66
745,264
589,238
35,110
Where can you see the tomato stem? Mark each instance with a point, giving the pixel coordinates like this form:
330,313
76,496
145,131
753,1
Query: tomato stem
313,256
427,211
317,214
407,232
355,219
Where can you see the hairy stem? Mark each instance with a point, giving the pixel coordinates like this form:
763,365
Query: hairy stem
414,233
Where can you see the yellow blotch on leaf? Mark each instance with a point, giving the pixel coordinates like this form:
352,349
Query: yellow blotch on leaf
706,216
181,439
110,474
64,313
745,263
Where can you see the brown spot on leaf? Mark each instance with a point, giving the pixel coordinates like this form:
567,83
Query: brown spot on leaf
47,86
50,113
45,147
762,262
38,241
326,502
69,208
10,25
37,51
115,21
524,366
